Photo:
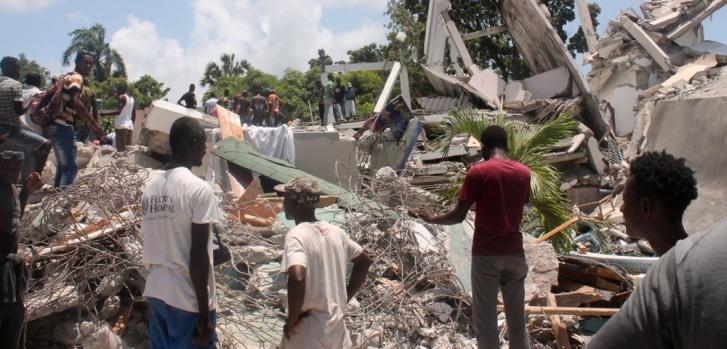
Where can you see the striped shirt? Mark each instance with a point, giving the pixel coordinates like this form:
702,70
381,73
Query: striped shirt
11,91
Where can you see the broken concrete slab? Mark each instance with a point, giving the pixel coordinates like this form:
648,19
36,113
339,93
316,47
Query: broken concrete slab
551,84
695,19
543,50
638,33
685,73
489,84
324,154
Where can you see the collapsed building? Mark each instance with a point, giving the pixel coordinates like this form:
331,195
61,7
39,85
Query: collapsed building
654,84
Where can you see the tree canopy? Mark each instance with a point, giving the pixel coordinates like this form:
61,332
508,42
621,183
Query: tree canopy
228,67
107,61
28,66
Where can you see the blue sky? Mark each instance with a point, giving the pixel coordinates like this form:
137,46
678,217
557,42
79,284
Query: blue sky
173,39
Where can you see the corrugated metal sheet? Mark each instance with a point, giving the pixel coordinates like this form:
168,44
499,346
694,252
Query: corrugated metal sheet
438,104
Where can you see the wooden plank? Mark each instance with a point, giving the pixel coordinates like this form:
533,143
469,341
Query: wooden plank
695,20
654,50
587,25
560,331
388,87
557,230
459,43
482,33
529,310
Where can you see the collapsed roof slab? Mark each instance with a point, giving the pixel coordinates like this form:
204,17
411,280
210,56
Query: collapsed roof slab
543,50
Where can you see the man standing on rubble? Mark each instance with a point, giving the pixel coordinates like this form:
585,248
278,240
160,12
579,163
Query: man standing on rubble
125,117
242,107
500,188
315,258
178,211
680,303
12,106
189,98
259,110
13,274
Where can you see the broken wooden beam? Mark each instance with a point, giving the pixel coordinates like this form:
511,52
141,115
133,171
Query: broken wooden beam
482,33
556,230
560,331
529,310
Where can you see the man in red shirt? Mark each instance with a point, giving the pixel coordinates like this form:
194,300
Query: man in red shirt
500,188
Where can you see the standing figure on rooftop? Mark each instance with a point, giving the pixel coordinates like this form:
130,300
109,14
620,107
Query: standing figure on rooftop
276,115
350,101
62,130
178,212
31,88
339,93
125,117
328,101
315,257
500,188
189,98
259,110
210,104
13,278
242,107
12,106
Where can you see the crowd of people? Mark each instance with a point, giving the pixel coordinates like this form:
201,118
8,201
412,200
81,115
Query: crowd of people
263,109
679,304
336,101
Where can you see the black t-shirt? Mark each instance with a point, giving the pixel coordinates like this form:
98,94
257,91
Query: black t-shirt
9,218
190,100
339,94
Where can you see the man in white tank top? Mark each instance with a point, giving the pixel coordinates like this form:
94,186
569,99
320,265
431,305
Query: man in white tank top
126,115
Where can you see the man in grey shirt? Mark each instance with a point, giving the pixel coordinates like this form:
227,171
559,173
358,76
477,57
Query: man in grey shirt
680,303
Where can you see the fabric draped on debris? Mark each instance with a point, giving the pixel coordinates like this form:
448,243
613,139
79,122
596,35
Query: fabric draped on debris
272,141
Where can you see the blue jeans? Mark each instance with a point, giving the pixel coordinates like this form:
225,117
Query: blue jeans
64,146
172,328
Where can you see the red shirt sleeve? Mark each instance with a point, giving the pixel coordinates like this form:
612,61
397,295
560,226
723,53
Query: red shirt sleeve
470,191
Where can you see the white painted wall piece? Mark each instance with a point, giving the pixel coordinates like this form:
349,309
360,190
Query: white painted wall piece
549,84
388,87
435,39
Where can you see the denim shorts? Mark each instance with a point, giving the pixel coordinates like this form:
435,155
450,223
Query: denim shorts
173,328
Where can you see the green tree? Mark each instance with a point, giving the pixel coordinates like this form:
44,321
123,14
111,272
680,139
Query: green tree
321,61
28,66
527,144
108,62
149,90
106,92
495,51
228,67
367,54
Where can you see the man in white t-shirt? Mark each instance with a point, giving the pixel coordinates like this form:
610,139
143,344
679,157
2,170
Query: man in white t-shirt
210,104
178,210
315,258
125,117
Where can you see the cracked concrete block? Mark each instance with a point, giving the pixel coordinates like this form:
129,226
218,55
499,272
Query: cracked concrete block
554,83
489,84
258,254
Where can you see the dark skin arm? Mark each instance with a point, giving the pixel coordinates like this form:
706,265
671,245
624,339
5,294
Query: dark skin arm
361,265
83,113
199,270
19,110
296,295
181,99
454,216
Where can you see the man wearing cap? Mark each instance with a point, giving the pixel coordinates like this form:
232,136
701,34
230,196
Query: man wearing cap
13,274
315,257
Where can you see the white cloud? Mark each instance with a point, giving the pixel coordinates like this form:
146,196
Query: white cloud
77,17
272,38
23,5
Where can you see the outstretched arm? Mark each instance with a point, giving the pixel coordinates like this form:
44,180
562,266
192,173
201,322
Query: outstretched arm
454,216
361,265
